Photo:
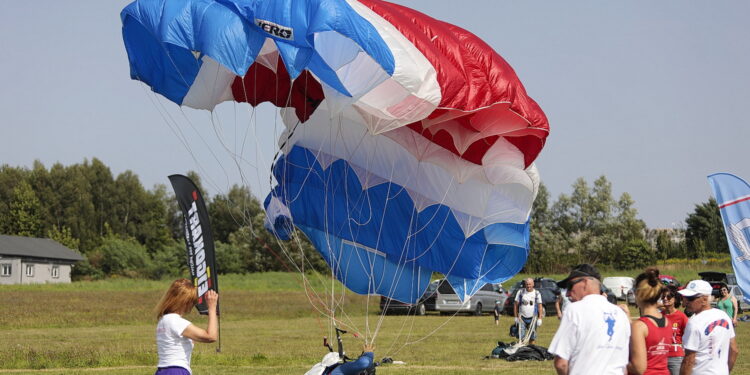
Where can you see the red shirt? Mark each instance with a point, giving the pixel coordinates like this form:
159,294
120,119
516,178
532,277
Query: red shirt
658,343
677,321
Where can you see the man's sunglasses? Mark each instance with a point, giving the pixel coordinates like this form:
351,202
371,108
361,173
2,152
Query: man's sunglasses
571,283
692,298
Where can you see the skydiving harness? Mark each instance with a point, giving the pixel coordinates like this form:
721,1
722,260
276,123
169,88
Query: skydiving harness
342,357
339,344
523,341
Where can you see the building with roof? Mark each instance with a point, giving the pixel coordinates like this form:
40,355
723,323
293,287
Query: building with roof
26,260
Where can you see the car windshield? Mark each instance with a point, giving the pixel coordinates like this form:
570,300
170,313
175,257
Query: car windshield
446,288
431,287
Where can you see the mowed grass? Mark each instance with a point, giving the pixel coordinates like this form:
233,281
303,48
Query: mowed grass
109,327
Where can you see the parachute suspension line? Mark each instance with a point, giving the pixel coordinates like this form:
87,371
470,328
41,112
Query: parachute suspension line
312,296
172,124
403,261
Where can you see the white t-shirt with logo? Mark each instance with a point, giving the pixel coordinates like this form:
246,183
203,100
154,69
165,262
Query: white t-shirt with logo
173,348
708,334
594,337
528,302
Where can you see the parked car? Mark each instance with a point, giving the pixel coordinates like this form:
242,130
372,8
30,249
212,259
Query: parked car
547,288
669,280
426,302
620,286
483,301
630,298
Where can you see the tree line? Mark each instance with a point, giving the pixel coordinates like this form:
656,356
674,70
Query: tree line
590,226
124,229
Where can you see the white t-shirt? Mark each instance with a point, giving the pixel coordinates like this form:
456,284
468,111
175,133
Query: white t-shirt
565,299
708,334
594,337
173,348
528,302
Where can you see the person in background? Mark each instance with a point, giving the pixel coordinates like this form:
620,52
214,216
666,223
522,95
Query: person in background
527,304
651,334
175,334
709,342
497,311
678,321
727,303
561,302
593,335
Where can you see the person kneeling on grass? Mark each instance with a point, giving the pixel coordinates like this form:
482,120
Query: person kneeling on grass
174,334
332,364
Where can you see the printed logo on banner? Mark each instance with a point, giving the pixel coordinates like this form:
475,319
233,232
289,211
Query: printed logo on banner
202,271
738,235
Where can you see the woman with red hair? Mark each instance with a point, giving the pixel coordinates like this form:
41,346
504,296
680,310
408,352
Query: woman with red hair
175,334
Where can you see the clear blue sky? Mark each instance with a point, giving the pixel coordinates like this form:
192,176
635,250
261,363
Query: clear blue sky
652,94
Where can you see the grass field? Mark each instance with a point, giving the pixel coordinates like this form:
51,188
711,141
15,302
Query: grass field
268,326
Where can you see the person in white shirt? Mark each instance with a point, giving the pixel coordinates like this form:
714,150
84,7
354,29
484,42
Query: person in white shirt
594,335
561,302
709,343
528,303
174,334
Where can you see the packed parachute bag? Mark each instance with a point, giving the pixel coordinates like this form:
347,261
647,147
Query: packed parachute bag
521,350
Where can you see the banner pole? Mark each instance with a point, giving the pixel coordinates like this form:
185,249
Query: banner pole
218,349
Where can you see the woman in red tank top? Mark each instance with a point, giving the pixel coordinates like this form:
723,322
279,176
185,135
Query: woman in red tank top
651,334
677,320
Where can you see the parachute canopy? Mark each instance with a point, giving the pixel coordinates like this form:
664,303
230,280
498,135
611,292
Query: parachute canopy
409,145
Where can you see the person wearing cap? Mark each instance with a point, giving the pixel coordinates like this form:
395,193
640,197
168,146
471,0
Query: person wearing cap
594,335
708,340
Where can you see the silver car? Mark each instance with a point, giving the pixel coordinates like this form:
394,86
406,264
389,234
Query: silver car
483,301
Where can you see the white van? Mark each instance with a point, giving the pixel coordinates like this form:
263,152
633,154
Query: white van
619,285
483,301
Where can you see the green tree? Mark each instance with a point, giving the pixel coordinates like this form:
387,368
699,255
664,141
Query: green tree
25,212
634,254
547,243
169,260
231,211
64,237
9,178
705,231
592,225
139,213
121,256
229,258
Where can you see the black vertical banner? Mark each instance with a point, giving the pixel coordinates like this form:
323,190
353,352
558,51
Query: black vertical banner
198,238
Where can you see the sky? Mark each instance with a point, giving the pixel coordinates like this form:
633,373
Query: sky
652,95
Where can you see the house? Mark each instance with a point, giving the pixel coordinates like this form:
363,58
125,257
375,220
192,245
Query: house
25,260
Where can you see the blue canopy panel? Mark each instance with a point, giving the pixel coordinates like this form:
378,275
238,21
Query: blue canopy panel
368,271
331,207
167,39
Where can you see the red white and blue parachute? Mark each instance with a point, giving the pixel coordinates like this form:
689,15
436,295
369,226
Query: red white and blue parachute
409,145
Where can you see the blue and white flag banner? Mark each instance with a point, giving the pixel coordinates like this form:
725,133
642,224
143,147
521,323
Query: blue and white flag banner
733,196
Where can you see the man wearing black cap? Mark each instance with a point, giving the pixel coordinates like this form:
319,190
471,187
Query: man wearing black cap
594,335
